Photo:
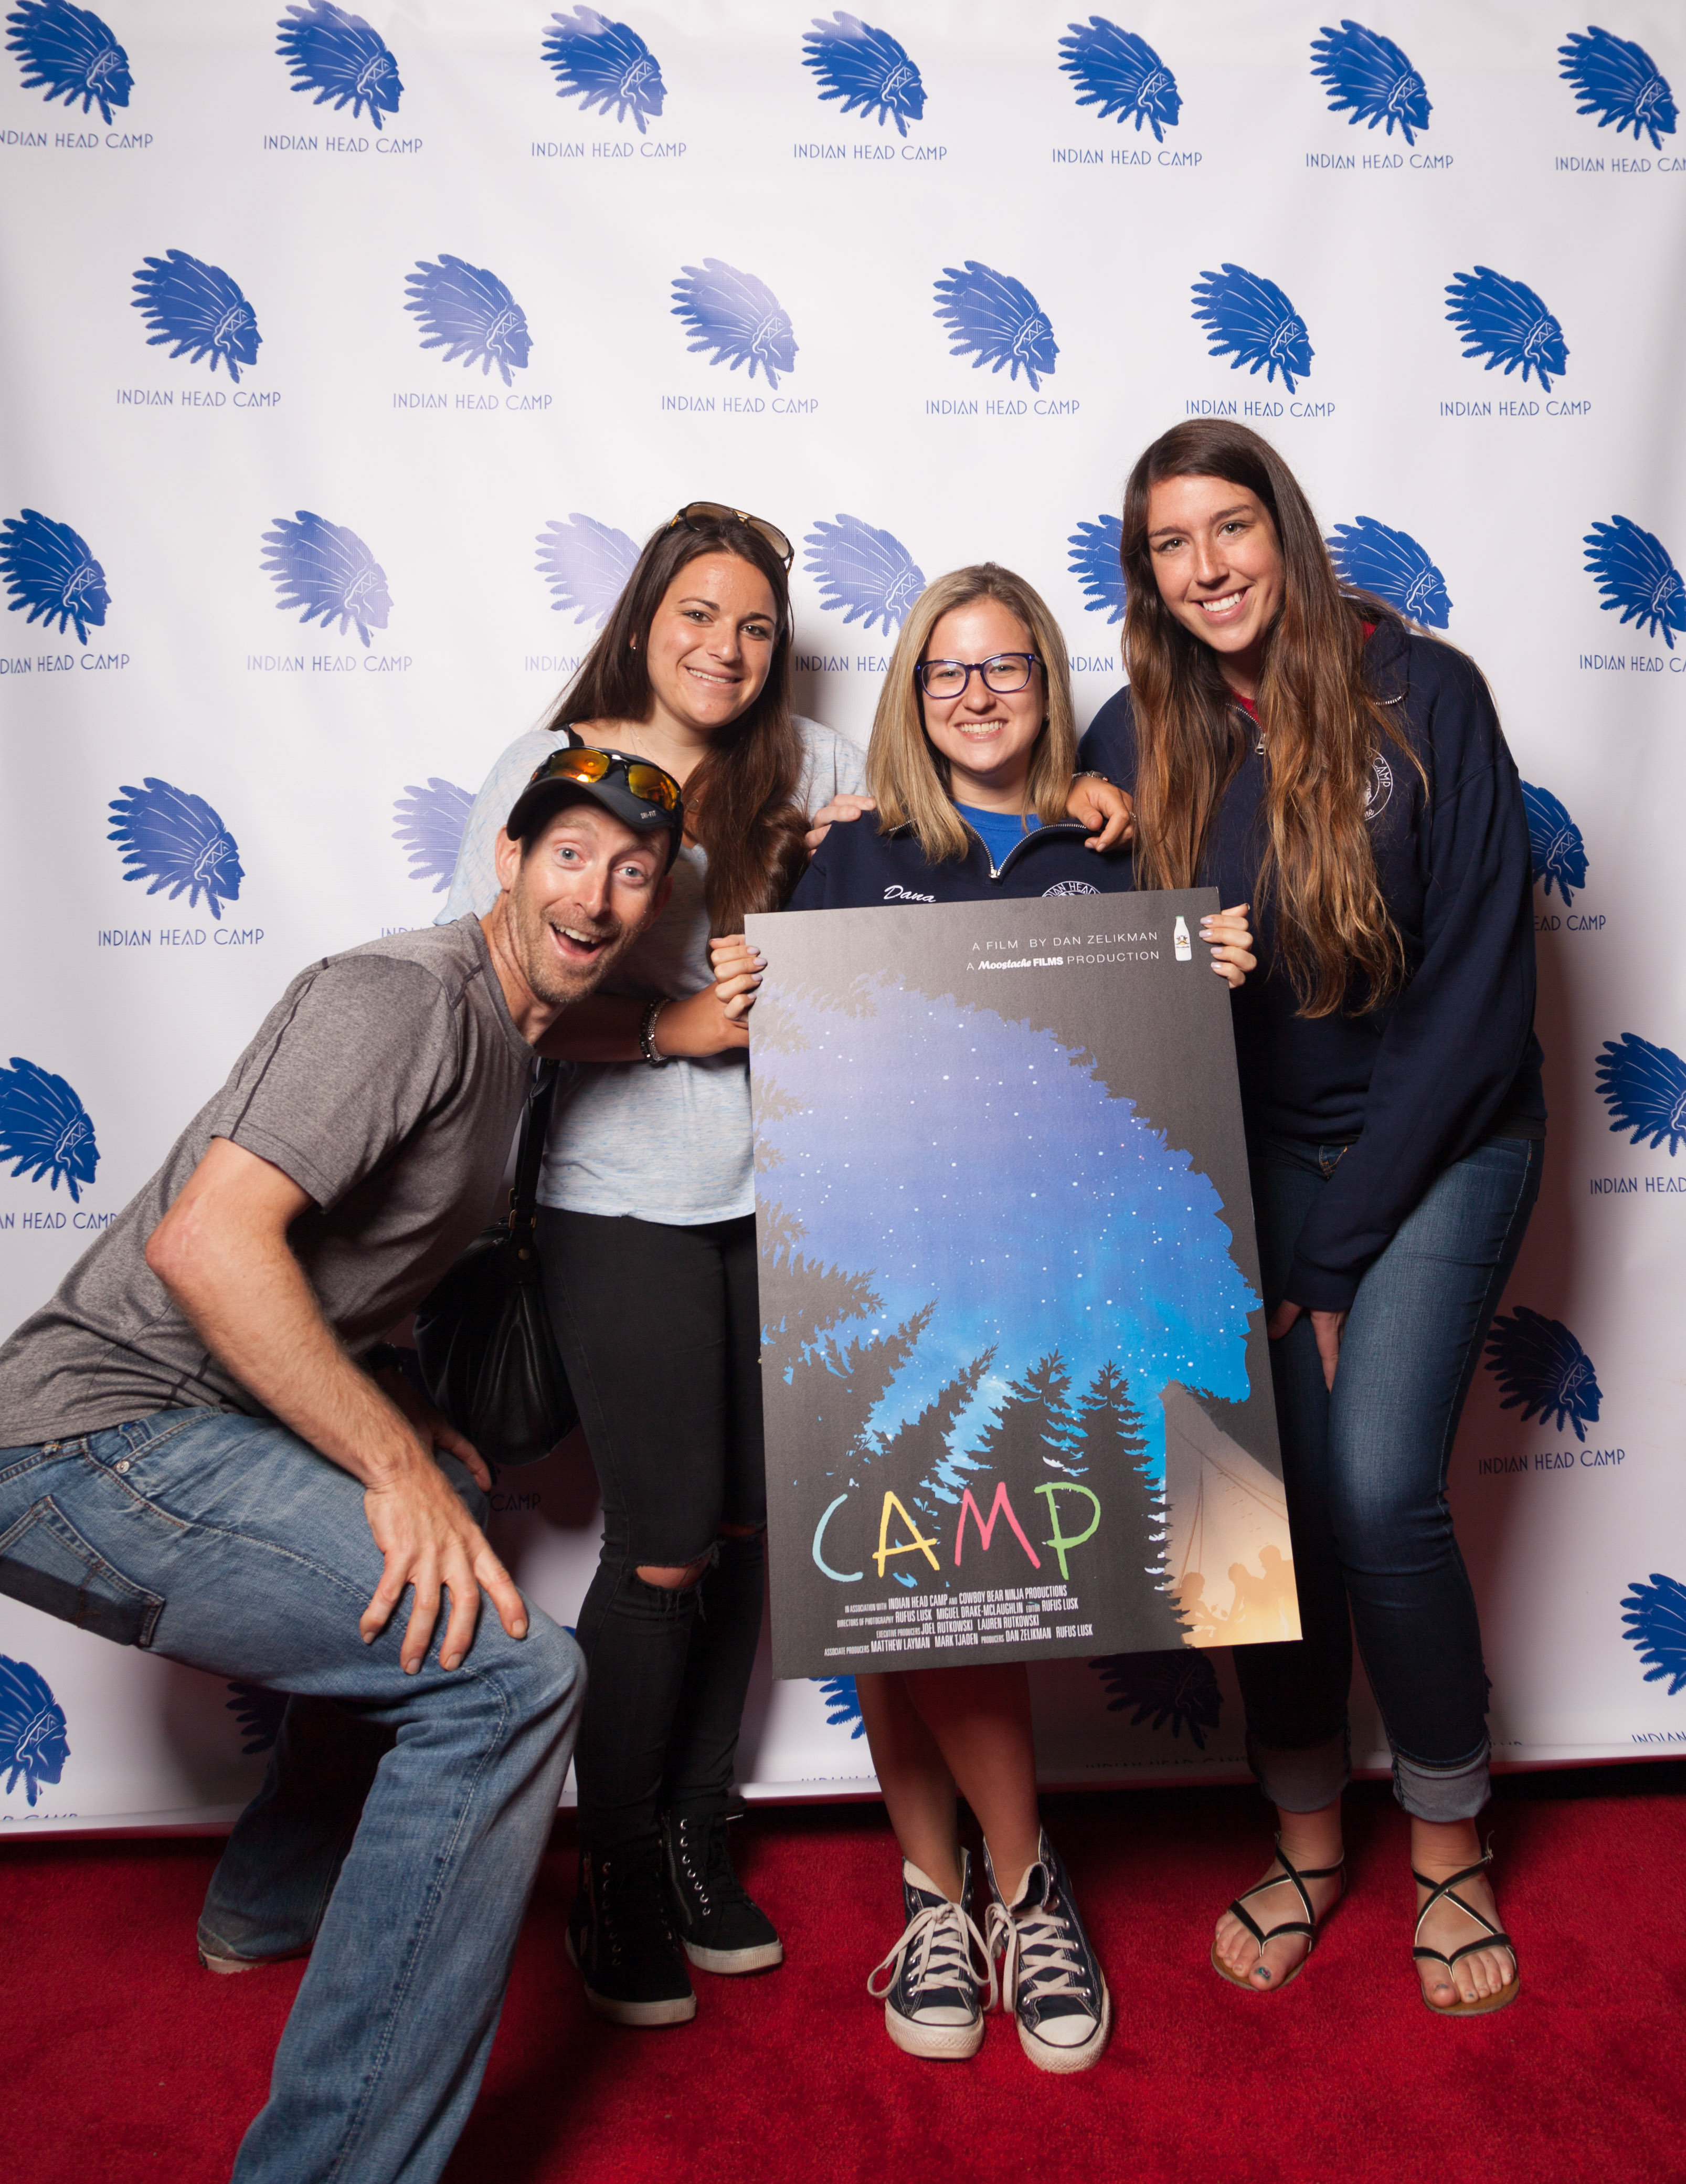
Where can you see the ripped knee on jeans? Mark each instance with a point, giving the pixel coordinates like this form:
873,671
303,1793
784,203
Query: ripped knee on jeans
674,1576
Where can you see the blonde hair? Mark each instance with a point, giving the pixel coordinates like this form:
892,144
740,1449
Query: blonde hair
905,772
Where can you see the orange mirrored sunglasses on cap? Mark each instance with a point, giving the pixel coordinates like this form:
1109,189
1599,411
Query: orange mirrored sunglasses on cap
585,765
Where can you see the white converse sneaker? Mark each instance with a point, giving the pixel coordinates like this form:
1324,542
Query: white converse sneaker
932,2003
1050,1978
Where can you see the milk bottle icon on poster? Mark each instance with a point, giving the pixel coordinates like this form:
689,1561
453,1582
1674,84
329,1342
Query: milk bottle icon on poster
1185,947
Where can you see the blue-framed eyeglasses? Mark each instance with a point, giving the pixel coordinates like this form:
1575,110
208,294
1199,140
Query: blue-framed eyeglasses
1003,672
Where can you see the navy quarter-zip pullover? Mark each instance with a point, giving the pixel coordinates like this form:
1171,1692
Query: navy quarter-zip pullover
856,866
1412,1086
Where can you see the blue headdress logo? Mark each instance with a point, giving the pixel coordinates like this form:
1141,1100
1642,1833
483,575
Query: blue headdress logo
1251,320
1366,73
1654,1619
1635,573
430,823
1121,73
468,313
864,572
34,1741
1098,564
49,569
1180,1687
200,309
339,56
176,841
1555,845
1644,1089
1618,80
995,320
736,316
327,570
69,52
603,64
586,565
45,1128
843,1704
864,68
259,1711
1505,321
1542,1368
1372,557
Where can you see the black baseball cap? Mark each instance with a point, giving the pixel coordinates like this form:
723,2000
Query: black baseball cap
640,793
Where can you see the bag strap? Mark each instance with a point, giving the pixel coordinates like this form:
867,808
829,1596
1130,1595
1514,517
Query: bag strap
530,1157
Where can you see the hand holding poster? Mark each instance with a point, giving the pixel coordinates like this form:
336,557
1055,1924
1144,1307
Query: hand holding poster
1016,1395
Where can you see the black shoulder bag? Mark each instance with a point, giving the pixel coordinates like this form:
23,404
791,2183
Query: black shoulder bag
483,1334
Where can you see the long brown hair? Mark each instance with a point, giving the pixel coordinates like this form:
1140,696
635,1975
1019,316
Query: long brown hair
1322,728
906,772
740,801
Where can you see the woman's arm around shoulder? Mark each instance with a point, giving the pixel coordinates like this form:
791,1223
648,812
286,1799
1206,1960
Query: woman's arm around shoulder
1109,743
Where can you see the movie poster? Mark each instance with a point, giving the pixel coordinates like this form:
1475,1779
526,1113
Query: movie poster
1017,1390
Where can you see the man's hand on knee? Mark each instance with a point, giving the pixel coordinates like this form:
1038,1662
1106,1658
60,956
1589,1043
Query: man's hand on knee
430,1541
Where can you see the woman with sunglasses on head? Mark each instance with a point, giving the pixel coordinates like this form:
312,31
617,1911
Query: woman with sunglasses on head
1347,773
970,757
646,1237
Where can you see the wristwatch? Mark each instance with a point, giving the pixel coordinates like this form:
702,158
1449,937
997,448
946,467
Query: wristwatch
647,1045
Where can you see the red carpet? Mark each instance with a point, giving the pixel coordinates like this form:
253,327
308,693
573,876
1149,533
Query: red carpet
124,2062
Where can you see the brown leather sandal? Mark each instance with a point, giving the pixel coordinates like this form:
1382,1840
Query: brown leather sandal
1307,1925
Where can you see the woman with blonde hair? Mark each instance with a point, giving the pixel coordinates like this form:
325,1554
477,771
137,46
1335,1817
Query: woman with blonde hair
1309,749
970,764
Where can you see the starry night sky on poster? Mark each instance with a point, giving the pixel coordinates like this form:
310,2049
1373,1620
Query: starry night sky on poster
1098,1239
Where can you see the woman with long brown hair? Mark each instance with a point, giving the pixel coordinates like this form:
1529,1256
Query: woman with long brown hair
1304,749
646,1235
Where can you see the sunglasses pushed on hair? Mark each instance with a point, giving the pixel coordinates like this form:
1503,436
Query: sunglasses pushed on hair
696,513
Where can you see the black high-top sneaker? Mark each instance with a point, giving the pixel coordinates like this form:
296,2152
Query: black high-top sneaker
931,1998
719,1926
619,1938
1050,1978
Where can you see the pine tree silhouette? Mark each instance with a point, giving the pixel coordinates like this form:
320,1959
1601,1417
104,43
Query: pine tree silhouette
839,1384
918,1452
815,1298
1110,1447
1034,1427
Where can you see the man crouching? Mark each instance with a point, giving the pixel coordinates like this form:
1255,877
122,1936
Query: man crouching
185,1432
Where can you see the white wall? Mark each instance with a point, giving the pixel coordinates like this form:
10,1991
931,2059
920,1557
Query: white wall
588,220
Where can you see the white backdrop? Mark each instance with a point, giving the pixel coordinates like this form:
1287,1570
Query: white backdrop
301,776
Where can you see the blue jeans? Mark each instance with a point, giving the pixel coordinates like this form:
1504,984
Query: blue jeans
1366,1476
403,1817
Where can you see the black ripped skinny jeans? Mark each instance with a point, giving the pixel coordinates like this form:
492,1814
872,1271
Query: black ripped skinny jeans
660,1328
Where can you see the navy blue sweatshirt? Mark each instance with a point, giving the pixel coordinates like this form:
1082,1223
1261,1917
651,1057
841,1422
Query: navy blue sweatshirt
1415,1084
856,867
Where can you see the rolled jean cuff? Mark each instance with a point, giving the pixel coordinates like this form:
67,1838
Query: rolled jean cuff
1302,1780
1443,1794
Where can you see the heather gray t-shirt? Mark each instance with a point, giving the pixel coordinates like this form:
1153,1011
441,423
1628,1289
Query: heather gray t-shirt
387,1082
670,1145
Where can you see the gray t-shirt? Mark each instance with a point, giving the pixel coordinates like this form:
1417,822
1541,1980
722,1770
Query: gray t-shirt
387,1082
670,1145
